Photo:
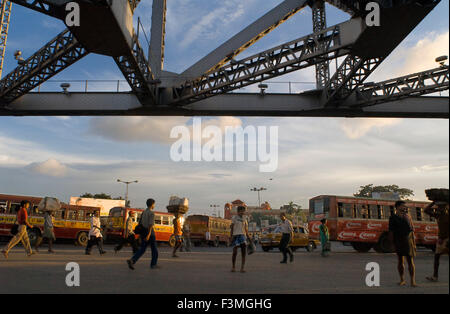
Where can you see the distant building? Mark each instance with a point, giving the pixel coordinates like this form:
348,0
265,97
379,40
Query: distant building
265,209
104,205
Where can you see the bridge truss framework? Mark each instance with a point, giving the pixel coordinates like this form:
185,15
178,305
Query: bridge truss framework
213,85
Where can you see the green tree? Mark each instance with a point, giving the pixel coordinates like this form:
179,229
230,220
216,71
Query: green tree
369,189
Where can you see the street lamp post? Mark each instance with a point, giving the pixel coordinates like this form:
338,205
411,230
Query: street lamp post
259,196
126,193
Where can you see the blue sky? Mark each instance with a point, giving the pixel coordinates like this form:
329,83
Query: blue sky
67,156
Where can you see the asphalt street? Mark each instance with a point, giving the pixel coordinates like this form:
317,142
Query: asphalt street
206,270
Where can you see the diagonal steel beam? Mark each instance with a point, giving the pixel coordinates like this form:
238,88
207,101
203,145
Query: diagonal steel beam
295,55
352,73
157,41
55,56
245,38
136,70
417,84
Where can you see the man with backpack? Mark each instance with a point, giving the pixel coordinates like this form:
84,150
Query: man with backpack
147,234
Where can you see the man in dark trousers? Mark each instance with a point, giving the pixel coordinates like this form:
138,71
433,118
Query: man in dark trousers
128,236
402,233
287,234
439,210
147,222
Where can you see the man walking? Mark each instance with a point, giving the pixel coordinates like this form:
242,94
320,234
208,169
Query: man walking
177,233
186,237
128,236
439,210
402,233
147,237
48,234
95,235
287,234
239,229
22,235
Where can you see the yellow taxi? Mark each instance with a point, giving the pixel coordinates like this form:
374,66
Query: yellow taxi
271,239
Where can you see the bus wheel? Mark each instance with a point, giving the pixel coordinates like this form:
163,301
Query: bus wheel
172,241
82,239
266,248
384,245
362,247
311,246
33,236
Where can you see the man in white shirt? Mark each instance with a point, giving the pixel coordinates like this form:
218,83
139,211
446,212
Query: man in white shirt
287,234
239,229
95,235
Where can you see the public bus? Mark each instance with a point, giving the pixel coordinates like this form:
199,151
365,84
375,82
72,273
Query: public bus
209,230
115,224
364,222
71,221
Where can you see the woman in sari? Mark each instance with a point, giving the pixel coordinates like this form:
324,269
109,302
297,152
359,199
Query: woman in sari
324,238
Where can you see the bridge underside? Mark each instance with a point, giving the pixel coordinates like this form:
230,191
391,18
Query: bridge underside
275,105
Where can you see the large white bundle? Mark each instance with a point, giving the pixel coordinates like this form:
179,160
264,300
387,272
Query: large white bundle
49,204
177,201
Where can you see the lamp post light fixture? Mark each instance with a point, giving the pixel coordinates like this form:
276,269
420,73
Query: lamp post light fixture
126,194
259,196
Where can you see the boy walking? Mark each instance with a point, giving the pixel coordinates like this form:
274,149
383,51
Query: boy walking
239,229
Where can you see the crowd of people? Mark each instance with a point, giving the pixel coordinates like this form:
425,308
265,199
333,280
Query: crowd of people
401,232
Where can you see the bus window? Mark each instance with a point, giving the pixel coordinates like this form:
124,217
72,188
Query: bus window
347,211
413,213
362,211
380,212
373,212
3,207
388,211
158,220
165,220
318,207
340,210
14,208
71,215
59,214
419,214
81,216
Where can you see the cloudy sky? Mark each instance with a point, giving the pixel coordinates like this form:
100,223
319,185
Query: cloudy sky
67,156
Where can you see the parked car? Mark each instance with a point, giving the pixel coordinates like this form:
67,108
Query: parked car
272,236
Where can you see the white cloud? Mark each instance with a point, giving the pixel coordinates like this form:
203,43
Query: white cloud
50,167
135,129
357,128
408,59
148,129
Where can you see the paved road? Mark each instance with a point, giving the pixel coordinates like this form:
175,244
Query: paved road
207,270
